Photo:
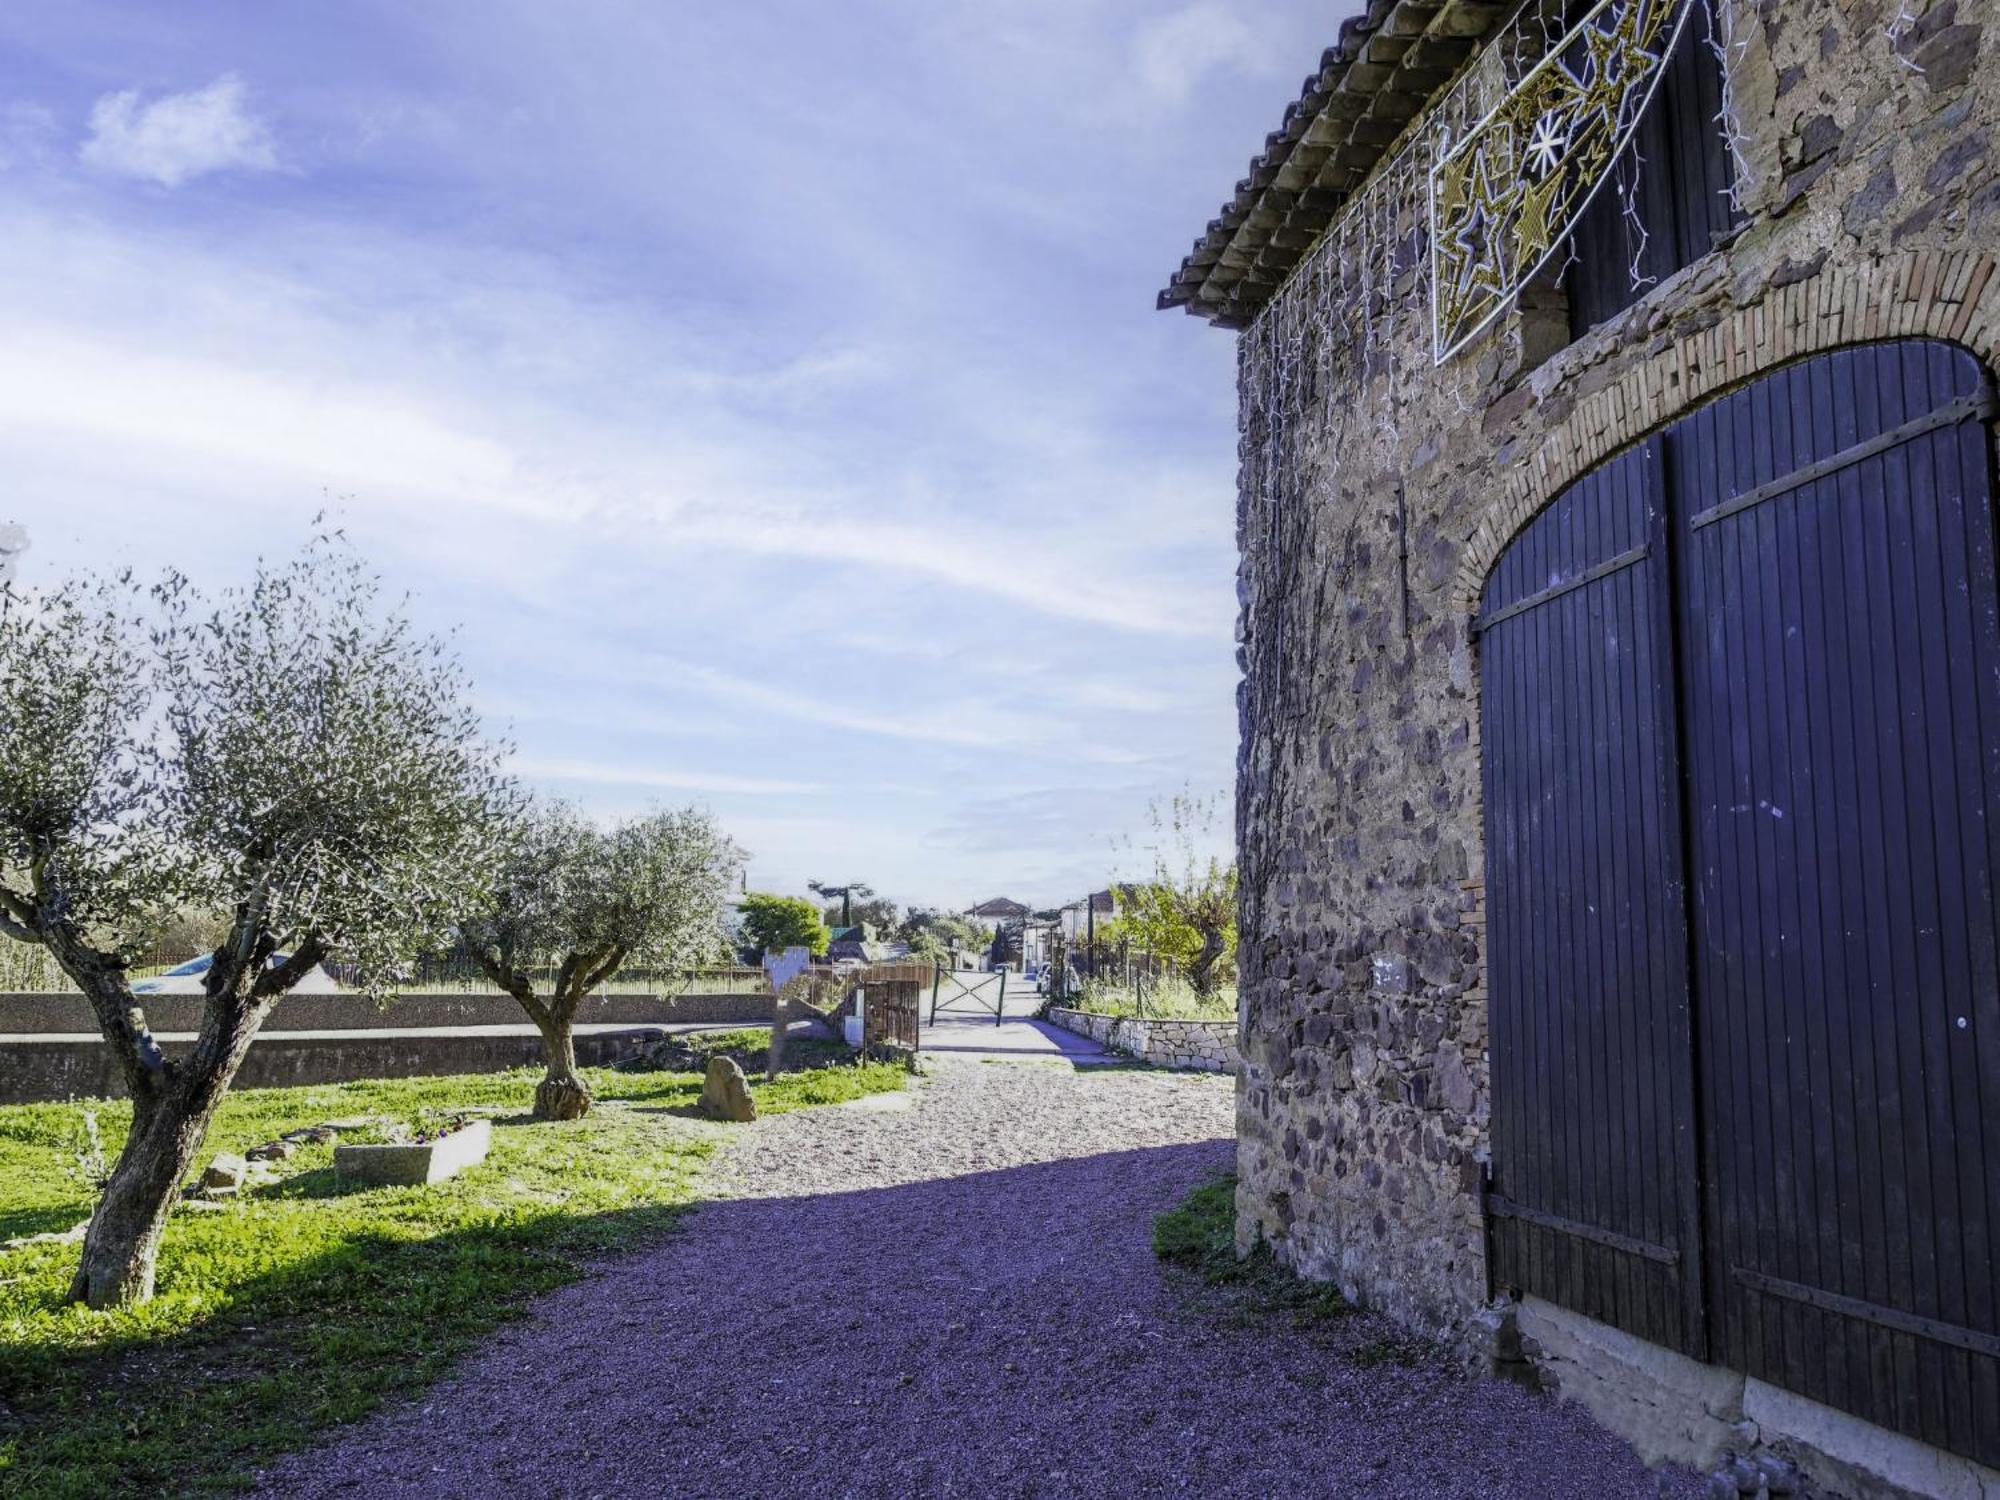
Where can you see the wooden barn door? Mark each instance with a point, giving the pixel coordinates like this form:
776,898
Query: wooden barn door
1842,700
1756,1116
1593,1202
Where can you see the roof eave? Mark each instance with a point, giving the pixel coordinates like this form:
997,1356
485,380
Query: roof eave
1389,63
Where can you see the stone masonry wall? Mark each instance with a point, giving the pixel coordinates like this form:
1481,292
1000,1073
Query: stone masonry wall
1206,1046
1372,505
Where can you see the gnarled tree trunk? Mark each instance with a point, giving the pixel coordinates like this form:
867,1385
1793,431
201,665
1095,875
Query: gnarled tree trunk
172,1106
562,1094
121,1248
1201,973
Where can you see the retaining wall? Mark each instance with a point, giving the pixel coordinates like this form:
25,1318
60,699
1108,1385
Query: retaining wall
70,1015
1209,1046
54,1068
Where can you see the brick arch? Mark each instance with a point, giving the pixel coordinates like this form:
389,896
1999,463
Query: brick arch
1920,294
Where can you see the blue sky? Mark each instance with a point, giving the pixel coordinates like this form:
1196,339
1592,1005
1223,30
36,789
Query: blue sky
770,393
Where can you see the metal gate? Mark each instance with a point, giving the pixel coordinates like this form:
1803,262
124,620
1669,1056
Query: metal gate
1764,649
955,995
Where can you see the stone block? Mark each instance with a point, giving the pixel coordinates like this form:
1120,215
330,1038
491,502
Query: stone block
414,1165
225,1173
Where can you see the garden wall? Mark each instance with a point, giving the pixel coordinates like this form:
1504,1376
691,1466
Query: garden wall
54,1068
1206,1045
70,1015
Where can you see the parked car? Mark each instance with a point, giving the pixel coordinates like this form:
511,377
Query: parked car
189,979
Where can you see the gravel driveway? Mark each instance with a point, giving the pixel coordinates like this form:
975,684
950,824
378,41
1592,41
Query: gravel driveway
953,1298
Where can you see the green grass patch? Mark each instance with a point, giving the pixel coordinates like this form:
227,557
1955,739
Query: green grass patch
1200,1237
306,1303
1169,999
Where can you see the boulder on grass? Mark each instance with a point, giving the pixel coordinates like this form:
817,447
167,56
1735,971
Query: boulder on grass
725,1093
225,1174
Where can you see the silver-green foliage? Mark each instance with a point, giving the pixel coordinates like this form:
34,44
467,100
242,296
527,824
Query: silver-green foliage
290,755
585,901
329,780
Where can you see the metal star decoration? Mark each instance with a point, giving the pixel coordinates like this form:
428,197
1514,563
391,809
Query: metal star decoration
1548,143
1507,194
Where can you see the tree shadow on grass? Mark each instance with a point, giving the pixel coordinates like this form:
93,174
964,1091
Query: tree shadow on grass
285,1354
18,1223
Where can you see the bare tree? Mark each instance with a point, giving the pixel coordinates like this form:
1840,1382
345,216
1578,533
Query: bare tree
577,903
290,756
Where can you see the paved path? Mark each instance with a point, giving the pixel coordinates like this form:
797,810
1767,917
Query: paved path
951,1039
955,1298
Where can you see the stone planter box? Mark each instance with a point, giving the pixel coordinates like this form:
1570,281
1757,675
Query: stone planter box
414,1166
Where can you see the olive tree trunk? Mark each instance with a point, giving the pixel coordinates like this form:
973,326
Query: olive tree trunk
562,1094
121,1248
172,1106
1201,973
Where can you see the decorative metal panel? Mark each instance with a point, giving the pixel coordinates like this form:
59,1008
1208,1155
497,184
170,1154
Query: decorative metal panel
1507,194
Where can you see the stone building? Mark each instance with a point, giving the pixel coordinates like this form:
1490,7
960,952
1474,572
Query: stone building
1619,778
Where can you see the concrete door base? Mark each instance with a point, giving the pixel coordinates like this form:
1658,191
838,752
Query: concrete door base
1673,1409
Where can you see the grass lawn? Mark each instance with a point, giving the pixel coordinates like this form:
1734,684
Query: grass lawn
305,1304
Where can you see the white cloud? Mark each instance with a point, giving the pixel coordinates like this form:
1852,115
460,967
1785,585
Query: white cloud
959,722
1177,51
534,768
179,136
963,558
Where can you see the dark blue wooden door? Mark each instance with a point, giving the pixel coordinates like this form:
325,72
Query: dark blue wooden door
1754,1112
1841,684
1594,1158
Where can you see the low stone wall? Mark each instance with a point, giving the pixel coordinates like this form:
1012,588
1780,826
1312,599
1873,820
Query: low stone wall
1209,1046
40,1071
69,1015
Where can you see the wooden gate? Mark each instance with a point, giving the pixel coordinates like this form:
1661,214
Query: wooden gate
1790,688
894,996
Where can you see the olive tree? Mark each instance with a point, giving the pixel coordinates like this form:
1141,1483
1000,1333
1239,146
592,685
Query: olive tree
1186,913
571,903
291,756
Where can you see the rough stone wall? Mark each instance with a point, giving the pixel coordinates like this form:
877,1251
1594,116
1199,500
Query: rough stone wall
1375,493
1203,1046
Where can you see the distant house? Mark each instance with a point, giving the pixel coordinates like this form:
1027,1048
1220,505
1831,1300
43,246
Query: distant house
1087,919
856,942
990,914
